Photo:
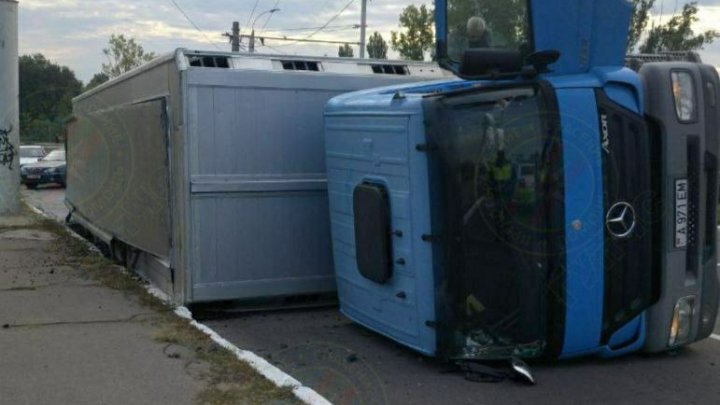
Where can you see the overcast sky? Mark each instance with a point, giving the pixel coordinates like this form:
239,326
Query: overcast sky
73,32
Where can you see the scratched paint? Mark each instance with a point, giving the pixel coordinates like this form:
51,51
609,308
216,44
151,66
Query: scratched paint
7,150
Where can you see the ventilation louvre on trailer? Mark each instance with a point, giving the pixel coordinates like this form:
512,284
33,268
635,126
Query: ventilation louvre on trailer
301,65
210,61
390,69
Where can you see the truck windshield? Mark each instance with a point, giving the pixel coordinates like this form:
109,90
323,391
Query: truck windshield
500,169
487,24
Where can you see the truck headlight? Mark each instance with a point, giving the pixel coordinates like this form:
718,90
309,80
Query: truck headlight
683,88
681,321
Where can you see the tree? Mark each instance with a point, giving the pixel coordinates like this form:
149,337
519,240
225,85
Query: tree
345,51
640,19
677,34
377,47
46,92
96,80
418,36
123,54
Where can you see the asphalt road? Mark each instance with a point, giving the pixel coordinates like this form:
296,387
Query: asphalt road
350,365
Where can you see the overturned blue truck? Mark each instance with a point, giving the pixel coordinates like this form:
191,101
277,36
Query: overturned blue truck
553,203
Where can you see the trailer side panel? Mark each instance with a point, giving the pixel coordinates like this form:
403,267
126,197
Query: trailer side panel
118,175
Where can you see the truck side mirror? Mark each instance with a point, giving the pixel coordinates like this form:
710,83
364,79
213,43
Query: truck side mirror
542,59
488,62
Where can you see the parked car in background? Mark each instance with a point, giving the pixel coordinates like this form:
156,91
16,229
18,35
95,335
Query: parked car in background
50,169
31,154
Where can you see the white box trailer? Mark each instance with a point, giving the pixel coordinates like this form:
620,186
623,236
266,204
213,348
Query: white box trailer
205,171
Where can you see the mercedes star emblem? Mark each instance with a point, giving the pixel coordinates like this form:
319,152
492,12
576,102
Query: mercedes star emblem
620,220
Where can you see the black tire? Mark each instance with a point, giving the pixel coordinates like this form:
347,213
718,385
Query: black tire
31,186
63,185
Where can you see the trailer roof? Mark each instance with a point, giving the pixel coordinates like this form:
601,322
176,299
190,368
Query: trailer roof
186,59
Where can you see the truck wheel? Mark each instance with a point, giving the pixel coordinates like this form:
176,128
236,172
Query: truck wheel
31,186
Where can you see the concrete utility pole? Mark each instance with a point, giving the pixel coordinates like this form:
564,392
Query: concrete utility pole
363,26
251,48
235,37
9,114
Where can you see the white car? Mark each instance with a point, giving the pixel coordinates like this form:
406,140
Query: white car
31,154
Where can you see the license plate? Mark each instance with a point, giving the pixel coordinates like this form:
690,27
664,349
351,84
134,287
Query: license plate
33,176
681,213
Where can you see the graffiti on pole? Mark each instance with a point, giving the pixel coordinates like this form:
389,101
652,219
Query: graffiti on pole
7,150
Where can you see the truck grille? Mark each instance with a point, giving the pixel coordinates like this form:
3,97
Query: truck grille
629,274
693,219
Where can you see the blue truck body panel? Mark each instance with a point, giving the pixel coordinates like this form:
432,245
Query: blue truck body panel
375,141
583,216
584,203
614,295
585,32
372,136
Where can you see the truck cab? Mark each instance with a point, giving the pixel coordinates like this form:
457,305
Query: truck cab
551,203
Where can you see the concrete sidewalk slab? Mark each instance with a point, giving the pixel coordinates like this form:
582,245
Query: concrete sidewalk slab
75,329
27,234
12,279
25,254
60,304
91,364
16,221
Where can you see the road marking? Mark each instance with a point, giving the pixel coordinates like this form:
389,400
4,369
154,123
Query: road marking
714,336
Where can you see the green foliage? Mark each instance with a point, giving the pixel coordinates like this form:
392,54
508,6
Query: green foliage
377,47
123,54
345,51
46,92
417,36
96,80
640,19
677,34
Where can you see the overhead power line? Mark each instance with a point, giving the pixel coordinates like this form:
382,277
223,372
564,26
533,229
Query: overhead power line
274,49
342,10
324,26
194,25
252,14
277,3
327,29
262,39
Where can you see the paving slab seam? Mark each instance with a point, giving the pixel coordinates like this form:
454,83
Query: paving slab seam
43,266
131,319
44,286
278,377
